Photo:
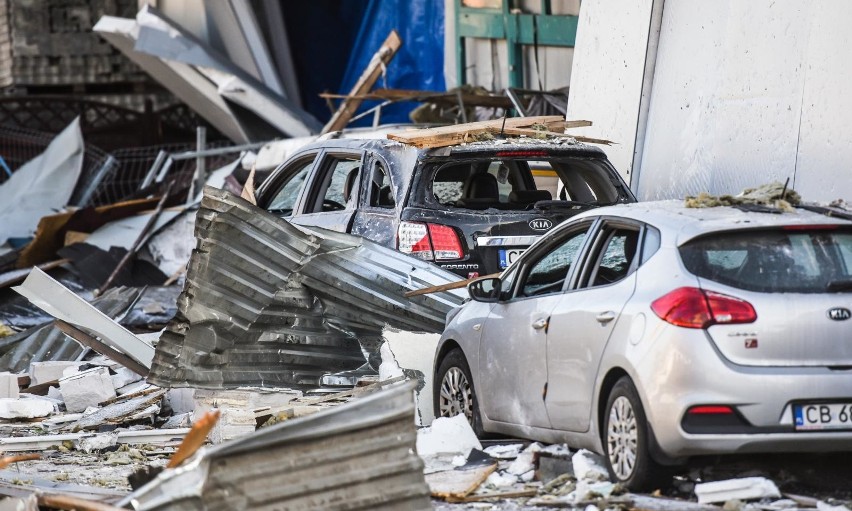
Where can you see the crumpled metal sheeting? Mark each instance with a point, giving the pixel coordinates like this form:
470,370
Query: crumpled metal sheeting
240,319
47,343
268,302
359,455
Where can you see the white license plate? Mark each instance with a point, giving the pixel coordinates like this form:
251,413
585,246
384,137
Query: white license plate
818,416
509,256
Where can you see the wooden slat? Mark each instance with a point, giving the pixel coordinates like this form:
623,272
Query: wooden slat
104,349
447,287
537,133
451,135
368,78
444,98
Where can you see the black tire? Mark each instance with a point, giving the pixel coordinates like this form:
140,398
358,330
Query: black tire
625,415
455,365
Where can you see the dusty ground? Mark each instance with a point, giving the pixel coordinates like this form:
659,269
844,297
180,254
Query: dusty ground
827,477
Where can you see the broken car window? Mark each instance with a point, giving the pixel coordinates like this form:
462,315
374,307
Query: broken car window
617,255
549,273
338,184
284,200
774,261
381,191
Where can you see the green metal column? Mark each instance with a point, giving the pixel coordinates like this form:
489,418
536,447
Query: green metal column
516,28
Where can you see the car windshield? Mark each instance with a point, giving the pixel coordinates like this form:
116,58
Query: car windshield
774,261
516,184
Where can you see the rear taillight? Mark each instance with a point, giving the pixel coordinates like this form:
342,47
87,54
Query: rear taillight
691,307
429,241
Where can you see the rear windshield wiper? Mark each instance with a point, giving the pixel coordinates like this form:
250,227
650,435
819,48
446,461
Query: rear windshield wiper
839,285
569,204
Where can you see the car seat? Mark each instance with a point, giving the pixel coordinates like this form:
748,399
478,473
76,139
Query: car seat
349,184
480,191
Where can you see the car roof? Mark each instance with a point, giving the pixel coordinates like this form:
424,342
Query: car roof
554,146
681,224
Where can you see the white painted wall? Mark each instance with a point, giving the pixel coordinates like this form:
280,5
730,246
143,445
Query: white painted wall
729,94
608,73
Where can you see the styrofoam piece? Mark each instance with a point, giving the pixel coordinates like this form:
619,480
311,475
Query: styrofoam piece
504,452
24,408
233,423
42,372
97,442
744,488
447,435
9,386
588,465
86,389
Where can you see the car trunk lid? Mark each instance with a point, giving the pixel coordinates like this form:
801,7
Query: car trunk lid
799,281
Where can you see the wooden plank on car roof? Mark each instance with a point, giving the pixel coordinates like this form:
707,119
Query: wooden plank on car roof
458,133
532,133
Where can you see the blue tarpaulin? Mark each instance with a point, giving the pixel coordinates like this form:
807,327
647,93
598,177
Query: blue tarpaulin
419,63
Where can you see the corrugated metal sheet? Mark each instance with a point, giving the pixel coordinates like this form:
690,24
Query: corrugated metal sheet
270,303
46,342
360,455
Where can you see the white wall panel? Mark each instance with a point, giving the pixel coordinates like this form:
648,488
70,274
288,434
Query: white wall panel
746,93
824,166
607,74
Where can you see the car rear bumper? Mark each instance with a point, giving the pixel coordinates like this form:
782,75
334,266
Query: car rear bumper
691,372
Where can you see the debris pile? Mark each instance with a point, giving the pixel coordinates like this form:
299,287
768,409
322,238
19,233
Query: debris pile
773,195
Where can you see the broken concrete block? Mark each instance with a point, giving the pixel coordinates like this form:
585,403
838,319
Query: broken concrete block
54,393
524,462
745,488
97,442
9,385
447,435
590,466
87,388
181,400
123,377
41,372
504,452
233,423
24,408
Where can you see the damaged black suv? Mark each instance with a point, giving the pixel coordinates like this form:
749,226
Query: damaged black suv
472,208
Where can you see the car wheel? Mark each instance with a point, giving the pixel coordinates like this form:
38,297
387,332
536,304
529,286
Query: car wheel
626,439
454,392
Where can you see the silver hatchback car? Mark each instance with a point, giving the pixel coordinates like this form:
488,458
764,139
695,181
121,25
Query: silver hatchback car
651,332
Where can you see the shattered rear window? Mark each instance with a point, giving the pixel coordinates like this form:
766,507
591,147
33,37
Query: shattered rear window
774,261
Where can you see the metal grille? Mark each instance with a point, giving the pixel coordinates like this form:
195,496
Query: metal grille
122,179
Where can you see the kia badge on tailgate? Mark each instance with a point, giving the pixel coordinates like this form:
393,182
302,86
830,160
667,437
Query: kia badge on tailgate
540,224
839,314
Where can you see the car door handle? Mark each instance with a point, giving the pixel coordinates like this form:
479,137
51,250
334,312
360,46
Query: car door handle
540,323
605,317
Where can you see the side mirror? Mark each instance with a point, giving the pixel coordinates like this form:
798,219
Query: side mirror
485,290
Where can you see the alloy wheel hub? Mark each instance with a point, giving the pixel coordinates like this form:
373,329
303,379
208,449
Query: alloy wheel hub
622,438
456,395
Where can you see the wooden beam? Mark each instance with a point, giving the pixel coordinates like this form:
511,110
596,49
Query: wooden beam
447,287
452,135
368,78
105,350
425,96
532,133
70,503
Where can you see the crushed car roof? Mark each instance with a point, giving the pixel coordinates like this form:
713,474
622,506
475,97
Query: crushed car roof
673,218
